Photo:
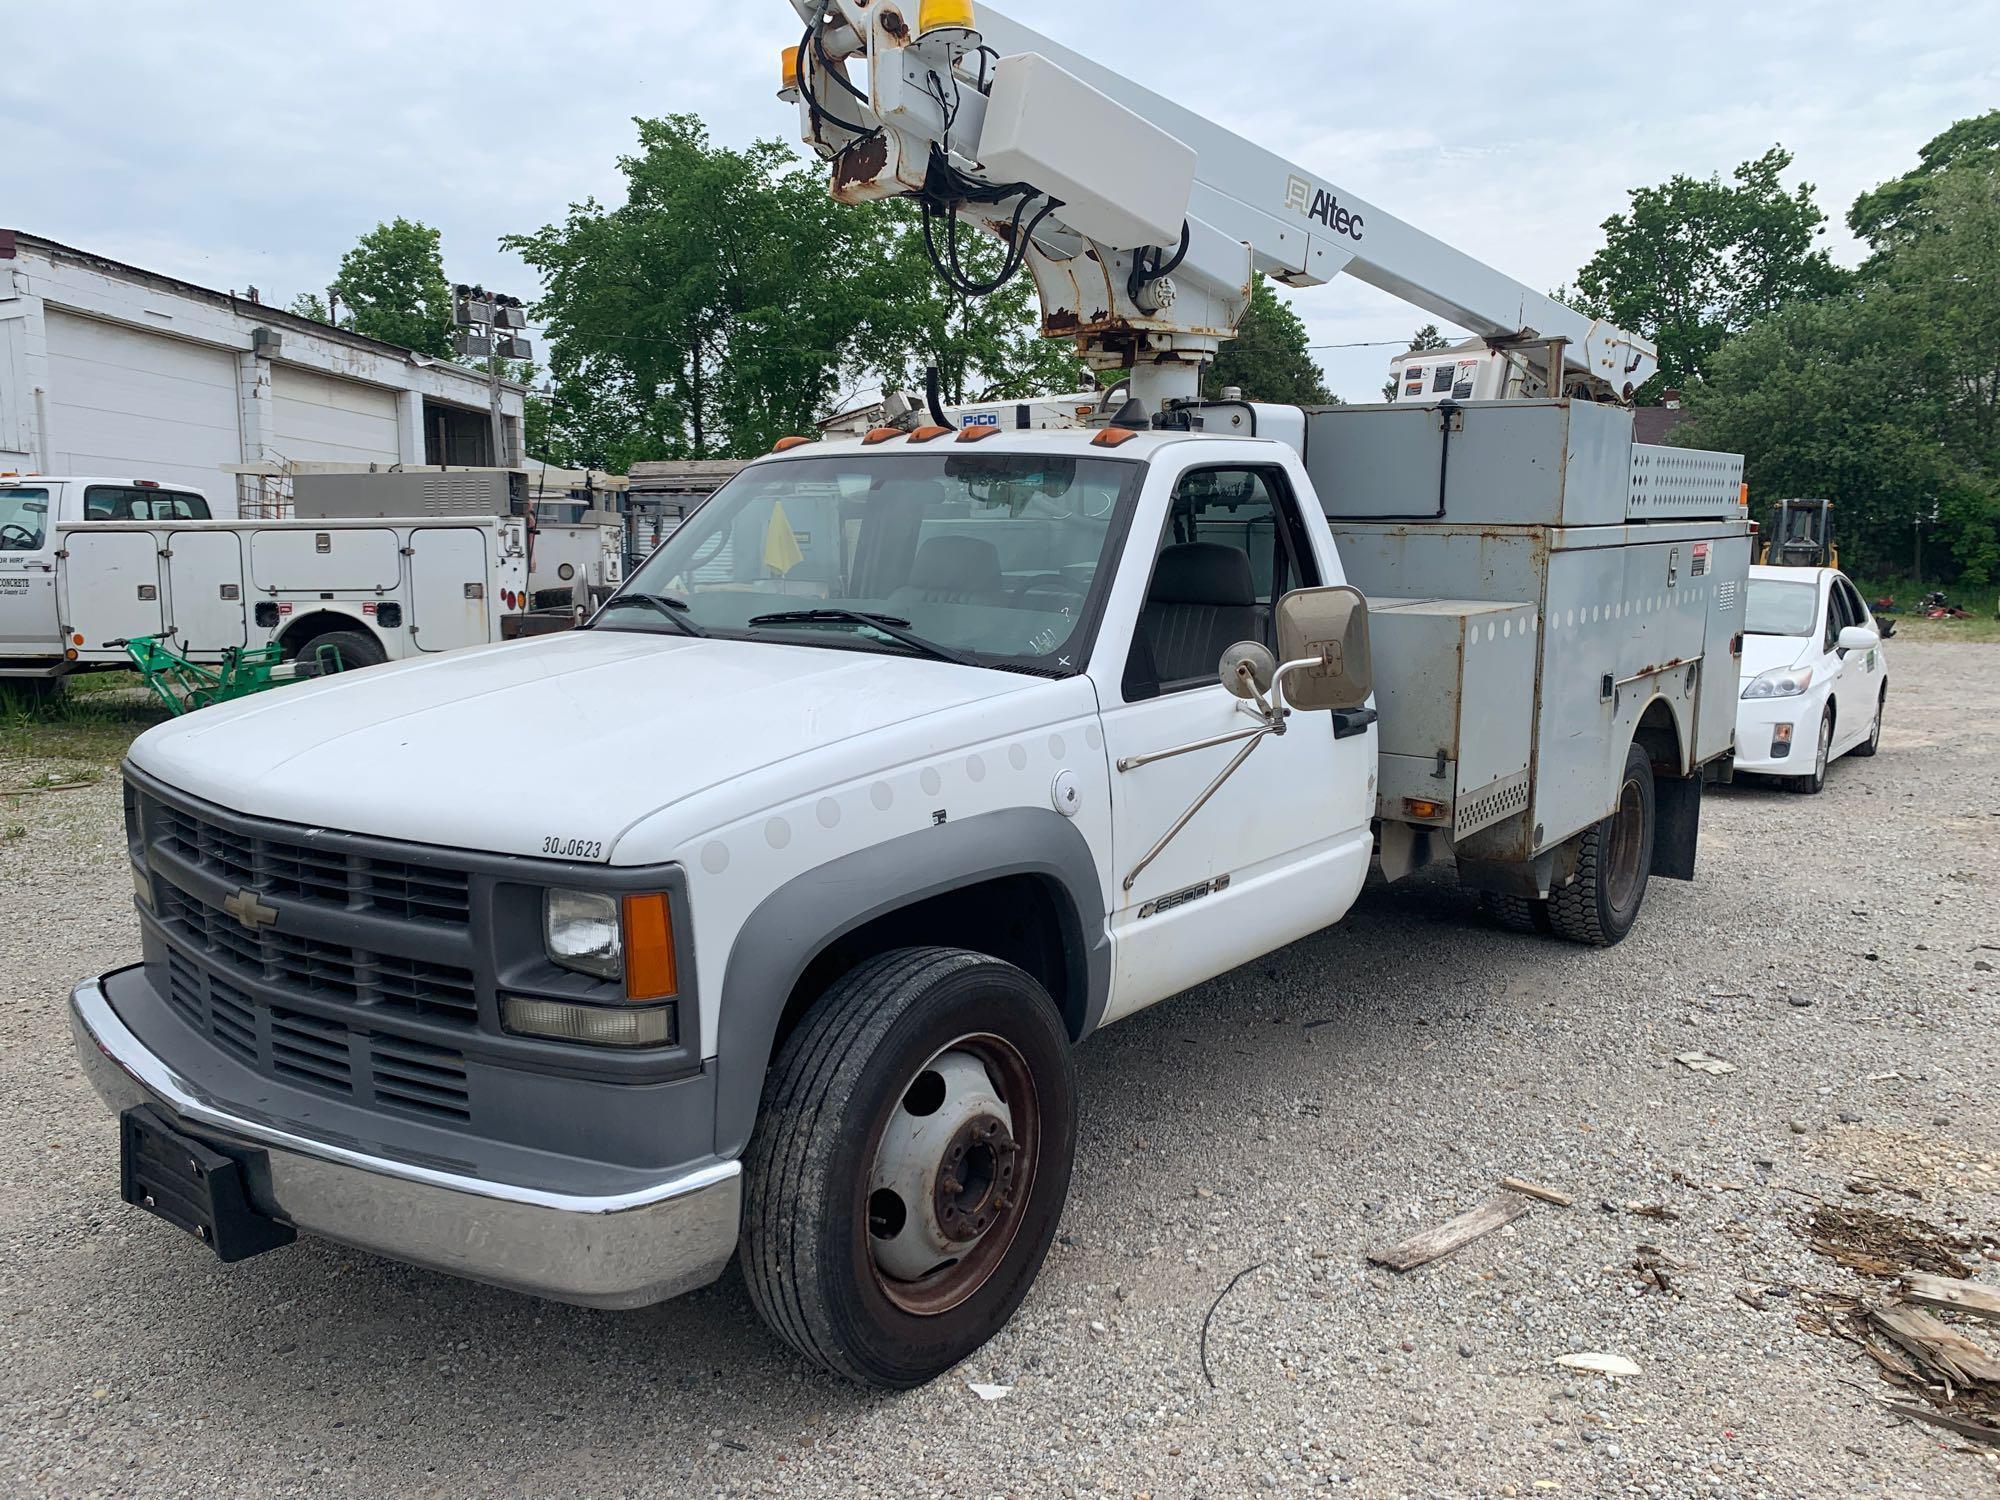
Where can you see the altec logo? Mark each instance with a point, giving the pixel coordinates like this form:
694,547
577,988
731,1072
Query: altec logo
1317,203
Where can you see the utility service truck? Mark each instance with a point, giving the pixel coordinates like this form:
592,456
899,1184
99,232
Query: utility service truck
921,756
86,564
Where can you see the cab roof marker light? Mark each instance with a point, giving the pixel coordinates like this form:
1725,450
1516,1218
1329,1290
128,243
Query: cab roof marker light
787,444
879,435
978,434
931,434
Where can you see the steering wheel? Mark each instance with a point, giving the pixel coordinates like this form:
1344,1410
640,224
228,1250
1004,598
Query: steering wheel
28,540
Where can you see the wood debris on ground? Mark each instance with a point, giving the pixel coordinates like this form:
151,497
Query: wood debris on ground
1701,1062
1599,1364
1956,1296
1435,1244
1903,1334
1880,1244
1536,1190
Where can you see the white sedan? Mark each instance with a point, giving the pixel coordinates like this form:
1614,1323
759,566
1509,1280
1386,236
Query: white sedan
1815,682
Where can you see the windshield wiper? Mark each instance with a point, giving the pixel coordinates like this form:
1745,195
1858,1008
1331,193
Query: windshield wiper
896,629
661,604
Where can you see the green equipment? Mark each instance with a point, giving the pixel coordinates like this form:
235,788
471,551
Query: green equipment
185,686
1801,536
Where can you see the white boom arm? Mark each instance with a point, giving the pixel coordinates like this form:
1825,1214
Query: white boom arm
1099,178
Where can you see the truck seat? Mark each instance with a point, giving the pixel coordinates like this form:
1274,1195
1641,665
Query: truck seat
954,570
1202,602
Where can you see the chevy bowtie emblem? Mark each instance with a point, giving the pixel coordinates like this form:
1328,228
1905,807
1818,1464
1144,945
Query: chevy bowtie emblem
247,909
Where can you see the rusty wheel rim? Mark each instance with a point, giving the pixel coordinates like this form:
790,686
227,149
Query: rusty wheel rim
1628,837
953,1170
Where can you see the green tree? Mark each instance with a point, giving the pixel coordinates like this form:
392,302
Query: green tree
984,348
710,314
1422,341
1896,208
392,287
1885,399
1693,261
310,305
1269,359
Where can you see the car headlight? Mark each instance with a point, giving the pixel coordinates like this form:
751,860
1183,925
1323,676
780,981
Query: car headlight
1780,682
582,932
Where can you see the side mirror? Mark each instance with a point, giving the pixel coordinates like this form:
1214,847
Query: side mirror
1859,638
1249,669
1323,642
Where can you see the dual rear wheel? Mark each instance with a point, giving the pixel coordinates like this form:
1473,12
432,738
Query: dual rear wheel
1614,860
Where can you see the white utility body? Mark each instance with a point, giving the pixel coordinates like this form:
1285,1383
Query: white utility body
916,759
71,586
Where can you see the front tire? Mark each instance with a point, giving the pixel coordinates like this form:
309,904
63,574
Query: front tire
1614,865
1813,785
1873,744
910,1165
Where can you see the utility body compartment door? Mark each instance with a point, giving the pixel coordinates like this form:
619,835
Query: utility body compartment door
1278,850
205,590
111,584
449,608
331,560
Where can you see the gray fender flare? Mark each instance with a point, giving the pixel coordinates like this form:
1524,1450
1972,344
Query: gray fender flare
797,922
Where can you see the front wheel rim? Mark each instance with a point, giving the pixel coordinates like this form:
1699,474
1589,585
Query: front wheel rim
1825,748
953,1171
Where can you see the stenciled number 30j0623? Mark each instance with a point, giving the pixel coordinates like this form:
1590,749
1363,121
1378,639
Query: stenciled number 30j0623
572,848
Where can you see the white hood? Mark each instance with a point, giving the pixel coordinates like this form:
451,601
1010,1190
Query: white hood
573,736
1763,653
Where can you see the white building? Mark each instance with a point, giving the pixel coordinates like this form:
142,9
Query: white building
108,369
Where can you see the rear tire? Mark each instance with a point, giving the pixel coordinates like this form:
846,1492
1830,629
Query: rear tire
928,1099
1614,866
1873,744
356,650
1516,913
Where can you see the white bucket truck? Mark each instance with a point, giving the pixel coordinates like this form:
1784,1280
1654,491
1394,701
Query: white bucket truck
918,758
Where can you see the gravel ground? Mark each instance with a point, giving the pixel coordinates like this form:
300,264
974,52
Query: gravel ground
1291,1116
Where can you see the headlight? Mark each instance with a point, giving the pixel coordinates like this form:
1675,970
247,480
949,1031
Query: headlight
1780,682
582,933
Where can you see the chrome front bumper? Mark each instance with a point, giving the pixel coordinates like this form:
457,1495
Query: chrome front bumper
614,1252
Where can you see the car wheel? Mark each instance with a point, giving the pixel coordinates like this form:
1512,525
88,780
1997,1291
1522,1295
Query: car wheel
1813,785
1614,865
910,1164
1874,741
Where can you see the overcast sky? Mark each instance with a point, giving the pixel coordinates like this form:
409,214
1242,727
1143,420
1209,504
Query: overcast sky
237,144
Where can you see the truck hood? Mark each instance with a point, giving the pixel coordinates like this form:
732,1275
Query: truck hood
571,737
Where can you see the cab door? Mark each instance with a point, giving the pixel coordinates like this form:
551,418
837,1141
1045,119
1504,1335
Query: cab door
1281,847
28,623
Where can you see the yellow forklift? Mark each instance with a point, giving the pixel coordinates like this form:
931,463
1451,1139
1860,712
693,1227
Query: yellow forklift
1801,536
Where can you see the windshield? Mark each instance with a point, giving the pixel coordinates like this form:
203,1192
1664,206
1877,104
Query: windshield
999,560
1781,608
24,516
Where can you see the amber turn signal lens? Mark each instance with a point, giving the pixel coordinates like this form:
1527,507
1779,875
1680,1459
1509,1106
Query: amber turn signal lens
649,949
